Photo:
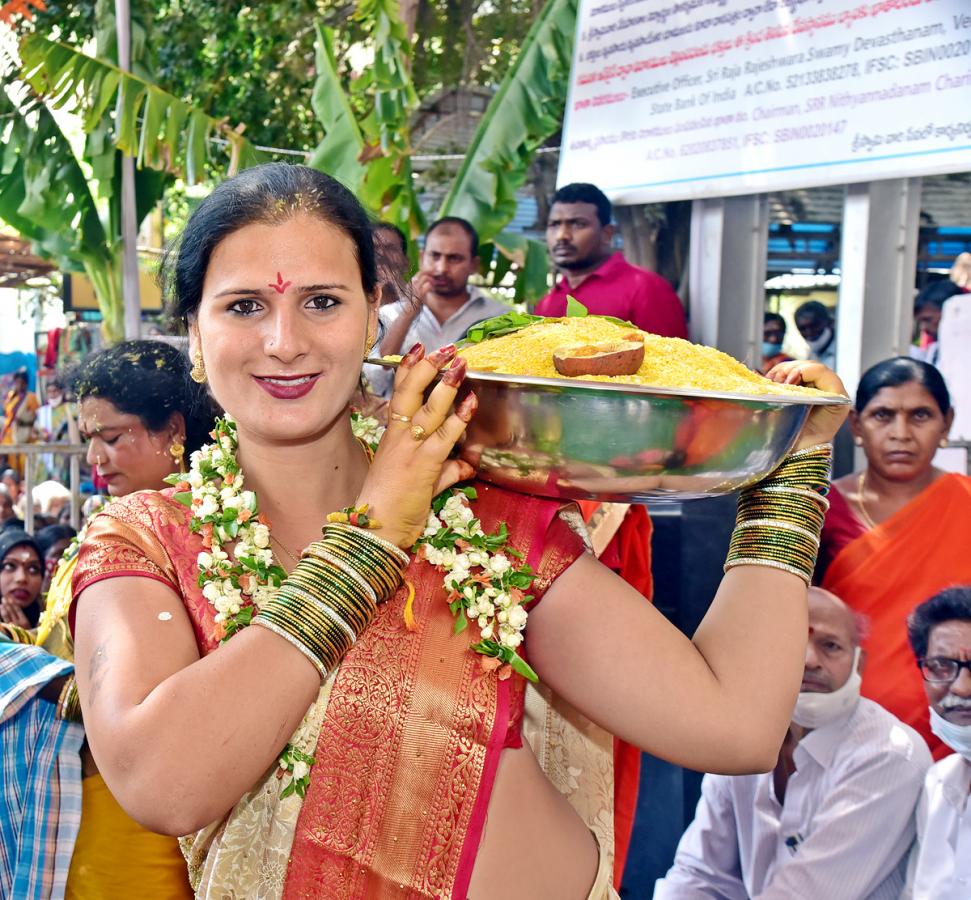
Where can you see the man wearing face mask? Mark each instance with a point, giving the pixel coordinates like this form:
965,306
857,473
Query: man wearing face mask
816,325
835,818
940,635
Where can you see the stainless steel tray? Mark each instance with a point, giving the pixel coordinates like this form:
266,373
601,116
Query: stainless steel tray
625,443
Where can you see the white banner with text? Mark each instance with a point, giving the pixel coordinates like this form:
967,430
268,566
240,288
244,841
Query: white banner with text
705,98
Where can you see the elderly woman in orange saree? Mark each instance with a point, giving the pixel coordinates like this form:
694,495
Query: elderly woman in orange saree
347,723
897,531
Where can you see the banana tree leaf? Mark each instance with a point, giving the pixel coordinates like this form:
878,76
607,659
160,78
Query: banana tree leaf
197,146
531,261
154,115
339,152
68,79
526,110
129,104
43,184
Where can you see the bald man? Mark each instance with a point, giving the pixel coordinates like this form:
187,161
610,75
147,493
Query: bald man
835,818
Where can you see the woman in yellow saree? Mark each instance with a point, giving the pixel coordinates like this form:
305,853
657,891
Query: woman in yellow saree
19,411
319,723
138,412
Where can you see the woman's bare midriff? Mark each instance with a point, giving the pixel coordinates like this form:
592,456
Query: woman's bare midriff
534,846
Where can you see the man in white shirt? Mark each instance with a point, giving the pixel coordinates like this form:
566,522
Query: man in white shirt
445,305
815,323
940,635
835,819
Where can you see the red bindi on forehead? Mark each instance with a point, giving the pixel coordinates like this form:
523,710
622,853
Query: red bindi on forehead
279,285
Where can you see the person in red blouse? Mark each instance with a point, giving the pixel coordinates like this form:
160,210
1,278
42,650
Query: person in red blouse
579,235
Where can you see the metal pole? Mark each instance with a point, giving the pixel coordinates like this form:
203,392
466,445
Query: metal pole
878,257
75,462
129,219
728,259
27,495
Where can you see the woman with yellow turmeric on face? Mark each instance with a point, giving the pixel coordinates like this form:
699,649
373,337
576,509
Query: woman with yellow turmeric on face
141,415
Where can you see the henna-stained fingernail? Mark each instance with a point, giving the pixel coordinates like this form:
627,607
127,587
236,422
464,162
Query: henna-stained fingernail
413,355
466,409
456,372
441,356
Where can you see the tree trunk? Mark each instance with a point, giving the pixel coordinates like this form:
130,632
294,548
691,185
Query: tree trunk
105,278
542,180
639,234
656,237
409,15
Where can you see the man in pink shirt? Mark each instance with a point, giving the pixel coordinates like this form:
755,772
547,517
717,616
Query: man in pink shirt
579,235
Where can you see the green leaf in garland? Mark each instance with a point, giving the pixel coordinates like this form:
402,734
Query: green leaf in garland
523,668
461,622
183,497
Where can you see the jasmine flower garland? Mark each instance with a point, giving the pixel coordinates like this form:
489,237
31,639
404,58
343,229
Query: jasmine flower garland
482,584
237,585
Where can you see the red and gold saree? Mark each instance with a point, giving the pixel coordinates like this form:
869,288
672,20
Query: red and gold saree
406,733
886,571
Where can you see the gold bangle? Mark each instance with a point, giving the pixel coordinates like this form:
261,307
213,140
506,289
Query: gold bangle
68,701
780,518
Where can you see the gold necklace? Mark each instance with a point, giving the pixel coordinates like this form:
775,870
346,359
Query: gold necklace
369,453
860,488
280,544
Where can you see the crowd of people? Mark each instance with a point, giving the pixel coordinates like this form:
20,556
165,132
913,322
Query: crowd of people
413,767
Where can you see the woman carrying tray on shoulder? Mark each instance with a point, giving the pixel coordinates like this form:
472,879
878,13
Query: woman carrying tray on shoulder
347,721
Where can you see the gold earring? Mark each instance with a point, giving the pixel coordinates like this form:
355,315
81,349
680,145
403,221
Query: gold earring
943,442
198,372
177,452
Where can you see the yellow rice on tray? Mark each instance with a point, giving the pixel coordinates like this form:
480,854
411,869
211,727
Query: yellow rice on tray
668,362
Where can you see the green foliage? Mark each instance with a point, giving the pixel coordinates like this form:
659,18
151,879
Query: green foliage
498,326
367,130
195,62
340,151
162,131
526,110
252,62
466,42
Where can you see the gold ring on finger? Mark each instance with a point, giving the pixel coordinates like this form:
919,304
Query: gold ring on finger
398,418
418,433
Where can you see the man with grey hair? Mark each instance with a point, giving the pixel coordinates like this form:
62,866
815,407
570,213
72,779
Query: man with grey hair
835,818
940,636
